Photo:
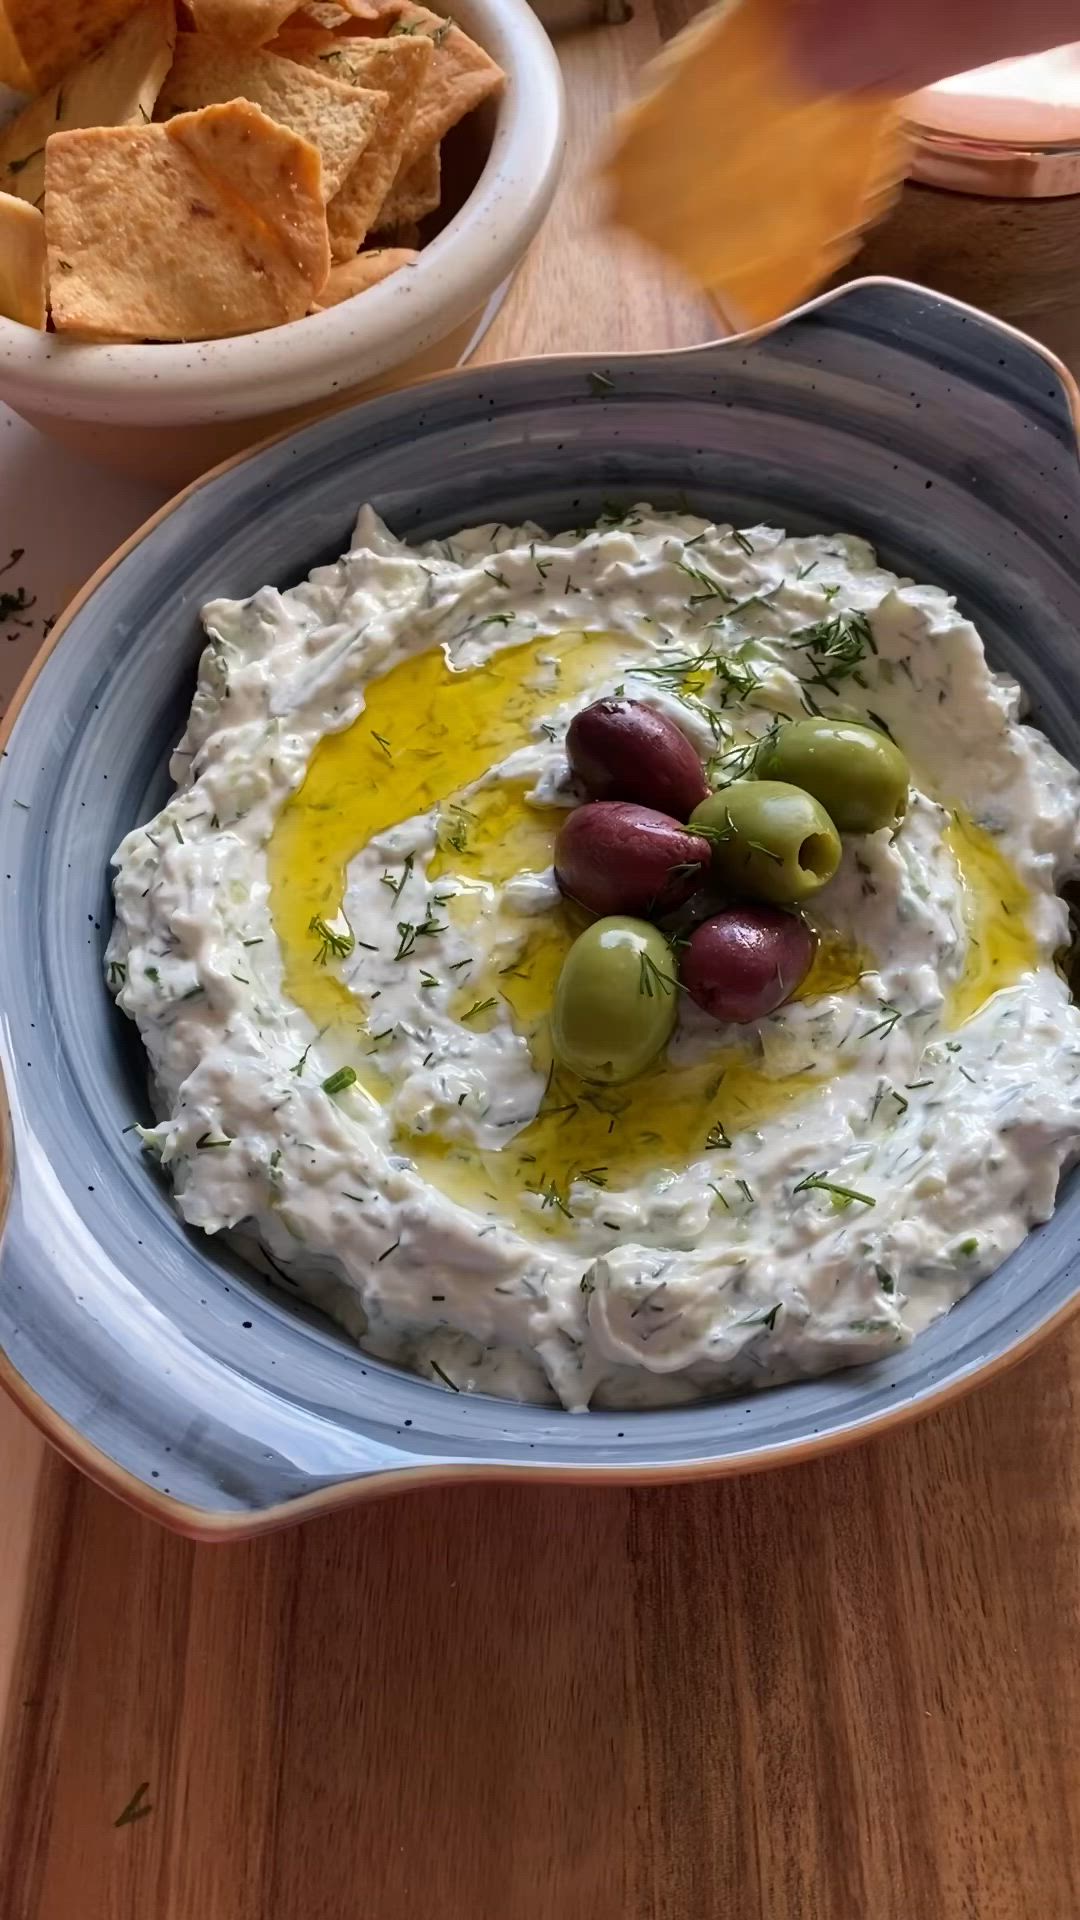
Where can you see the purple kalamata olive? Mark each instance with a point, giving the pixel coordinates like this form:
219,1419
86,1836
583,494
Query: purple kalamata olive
745,962
624,750
617,858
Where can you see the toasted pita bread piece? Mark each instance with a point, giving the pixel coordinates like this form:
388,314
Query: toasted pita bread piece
252,22
357,275
415,193
755,188
50,37
117,87
397,68
22,262
209,225
461,75
338,120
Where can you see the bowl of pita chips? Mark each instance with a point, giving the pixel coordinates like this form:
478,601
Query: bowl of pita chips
221,217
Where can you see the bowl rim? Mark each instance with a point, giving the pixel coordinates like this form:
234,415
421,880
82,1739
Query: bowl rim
203,1524
276,367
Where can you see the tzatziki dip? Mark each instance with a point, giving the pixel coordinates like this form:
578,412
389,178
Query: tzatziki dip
343,939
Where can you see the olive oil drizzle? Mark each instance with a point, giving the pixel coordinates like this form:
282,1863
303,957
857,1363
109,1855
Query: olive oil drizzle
428,733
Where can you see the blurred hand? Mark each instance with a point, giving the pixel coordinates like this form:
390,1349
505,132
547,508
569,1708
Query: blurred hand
900,45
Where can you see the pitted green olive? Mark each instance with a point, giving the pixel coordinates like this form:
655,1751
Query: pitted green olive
859,775
615,1004
770,841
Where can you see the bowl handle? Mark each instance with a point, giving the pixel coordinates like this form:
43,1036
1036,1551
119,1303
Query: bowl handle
944,330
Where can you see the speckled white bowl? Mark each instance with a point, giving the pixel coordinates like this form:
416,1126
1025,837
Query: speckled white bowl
169,412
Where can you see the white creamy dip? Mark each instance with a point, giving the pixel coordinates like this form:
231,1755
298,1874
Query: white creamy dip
340,937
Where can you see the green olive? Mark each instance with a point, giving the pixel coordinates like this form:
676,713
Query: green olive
770,841
859,775
615,1003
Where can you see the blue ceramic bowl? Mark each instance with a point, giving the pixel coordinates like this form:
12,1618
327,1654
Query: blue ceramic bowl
160,1364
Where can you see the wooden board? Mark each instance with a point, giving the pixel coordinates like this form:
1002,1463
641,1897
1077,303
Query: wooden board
847,1692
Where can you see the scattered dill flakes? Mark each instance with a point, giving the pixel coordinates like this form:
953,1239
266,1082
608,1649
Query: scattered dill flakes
387,1251
207,1140
381,741
885,1280
337,1082
741,540
717,1137
178,833
153,974
600,382
745,1191
884,1026
445,1377
299,1065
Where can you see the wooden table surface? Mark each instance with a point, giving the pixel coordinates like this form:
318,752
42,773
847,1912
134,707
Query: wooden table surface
845,1692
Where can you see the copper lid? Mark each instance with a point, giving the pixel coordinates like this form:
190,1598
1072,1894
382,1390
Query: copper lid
1010,131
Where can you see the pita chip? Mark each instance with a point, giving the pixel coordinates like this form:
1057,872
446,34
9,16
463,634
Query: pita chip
338,120
757,189
22,262
251,23
398,68
116,87
461,74
357,275
416,192
248,22
212,224
53,36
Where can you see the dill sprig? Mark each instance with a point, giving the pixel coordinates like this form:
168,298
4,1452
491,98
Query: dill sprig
479,1007
842,1196
330,943
652,980
837,646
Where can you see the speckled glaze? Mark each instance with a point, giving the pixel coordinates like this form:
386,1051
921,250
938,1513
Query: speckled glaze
160,1364
215,396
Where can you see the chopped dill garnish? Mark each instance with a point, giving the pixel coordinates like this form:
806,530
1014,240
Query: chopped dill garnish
444,1377
885,1280
885,1025
137,1807
817,1183
600,382
299,1065
837,646
741,540
427,979
178,833
387,1251
652,980
481,1006
881,725
381,741
337,1082
395,886
745,1191
717,1137
208,1140
337,944
708,587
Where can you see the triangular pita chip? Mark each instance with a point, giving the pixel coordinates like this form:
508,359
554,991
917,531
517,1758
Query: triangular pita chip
248,22
756,188
338,120
398,68
252,22
357,275
415,193
53,36
117,87
461,75
212,224
22,262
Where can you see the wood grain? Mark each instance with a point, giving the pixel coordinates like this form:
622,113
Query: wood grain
846,1692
